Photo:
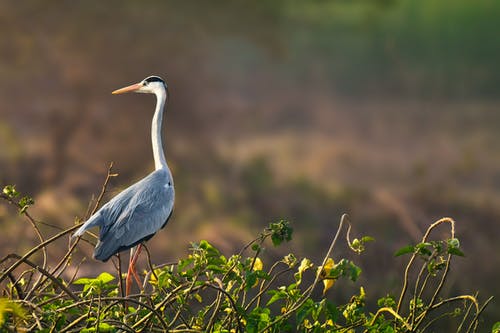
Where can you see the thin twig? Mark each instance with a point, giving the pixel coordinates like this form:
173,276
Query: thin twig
446,269
32,221
46,273
413,257
392,312
16,286
475,321
34,250
104,188
63,261
469,308
74,323
309,290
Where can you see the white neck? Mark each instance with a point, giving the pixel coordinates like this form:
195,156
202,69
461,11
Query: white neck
158,154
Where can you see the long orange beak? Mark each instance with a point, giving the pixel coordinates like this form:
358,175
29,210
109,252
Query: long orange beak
130,88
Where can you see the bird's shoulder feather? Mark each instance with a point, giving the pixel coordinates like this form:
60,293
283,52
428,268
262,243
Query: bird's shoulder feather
142,206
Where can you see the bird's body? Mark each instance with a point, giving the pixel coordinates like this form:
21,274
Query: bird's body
139,211
134,215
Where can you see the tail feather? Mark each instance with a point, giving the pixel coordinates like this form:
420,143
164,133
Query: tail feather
105,249
93,221
109,246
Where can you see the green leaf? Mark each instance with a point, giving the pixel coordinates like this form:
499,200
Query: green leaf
10,191
104,327
453,247
215,268
366,239
387,301
496,327
251,279
305,310
453,242
258,319
88,330
255,247
83,281
355,272
277,296
455,251
24,203
105,277
61,320
211,250
280,231
183,263
422,249
405,250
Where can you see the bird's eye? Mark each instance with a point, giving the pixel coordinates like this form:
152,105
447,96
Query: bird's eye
145,83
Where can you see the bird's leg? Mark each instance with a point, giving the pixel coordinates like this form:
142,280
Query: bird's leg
134,255
128,281
132,264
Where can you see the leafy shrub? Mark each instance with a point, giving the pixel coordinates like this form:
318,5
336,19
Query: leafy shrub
209,292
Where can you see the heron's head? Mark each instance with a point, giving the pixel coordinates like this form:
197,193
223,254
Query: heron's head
150,85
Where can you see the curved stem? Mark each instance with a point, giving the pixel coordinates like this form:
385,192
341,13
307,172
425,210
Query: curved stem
412,259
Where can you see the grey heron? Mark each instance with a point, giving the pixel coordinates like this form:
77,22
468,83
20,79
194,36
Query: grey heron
138,212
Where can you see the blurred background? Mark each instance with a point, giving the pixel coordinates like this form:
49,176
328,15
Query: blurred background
387,110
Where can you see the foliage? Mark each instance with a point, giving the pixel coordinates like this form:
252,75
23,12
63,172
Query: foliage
208,291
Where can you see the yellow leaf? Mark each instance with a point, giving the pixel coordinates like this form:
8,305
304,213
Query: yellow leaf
257,265
230,285
304,265
329,265
329,322
152,279
7,306
325,272
327,284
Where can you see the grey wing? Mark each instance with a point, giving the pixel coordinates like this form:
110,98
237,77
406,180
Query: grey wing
146,210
